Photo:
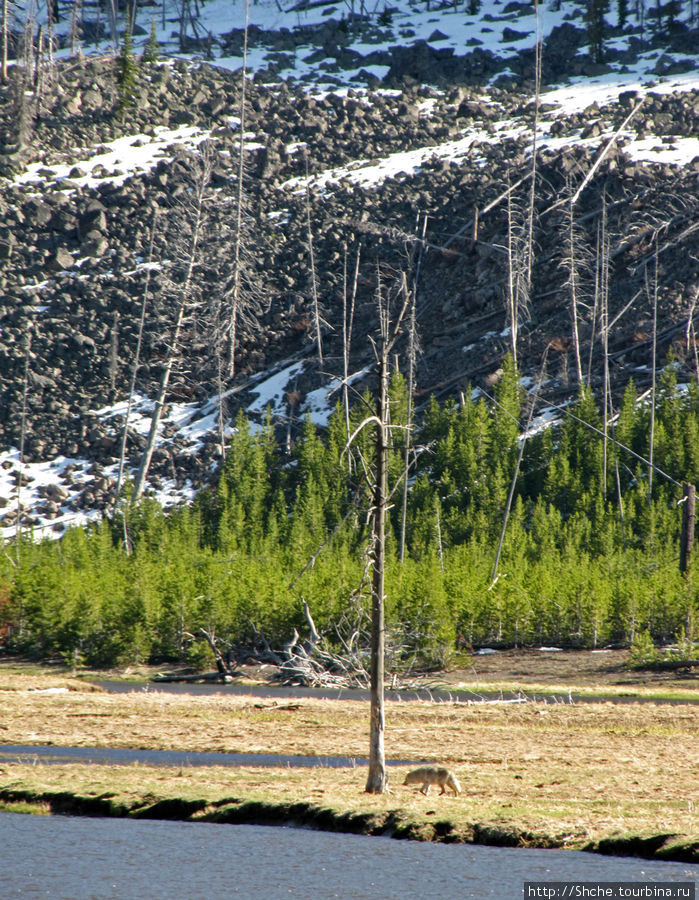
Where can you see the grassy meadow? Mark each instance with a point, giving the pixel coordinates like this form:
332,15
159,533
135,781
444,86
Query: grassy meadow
536,773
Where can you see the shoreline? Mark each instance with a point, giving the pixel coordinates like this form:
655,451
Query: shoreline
394,823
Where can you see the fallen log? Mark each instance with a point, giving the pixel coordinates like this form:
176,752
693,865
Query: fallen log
215,677
671,665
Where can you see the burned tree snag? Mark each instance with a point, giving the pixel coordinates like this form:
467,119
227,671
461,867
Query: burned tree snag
687,538
378,779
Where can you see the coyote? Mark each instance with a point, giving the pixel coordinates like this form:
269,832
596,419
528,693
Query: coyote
429,775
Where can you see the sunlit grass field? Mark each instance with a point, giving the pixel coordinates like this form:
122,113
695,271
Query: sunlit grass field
567,774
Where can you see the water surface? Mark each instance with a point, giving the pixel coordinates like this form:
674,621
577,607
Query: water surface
67,858
122,756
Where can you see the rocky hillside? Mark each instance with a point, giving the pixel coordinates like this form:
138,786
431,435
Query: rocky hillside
112,209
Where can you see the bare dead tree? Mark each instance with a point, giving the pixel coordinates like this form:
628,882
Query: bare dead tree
532,187
40,78
653,296
50,39
598,162
28,54
347,324
604,317
112,9
22,89
575,262
617,474
413,344
132,386
22,437
4,38
377,780
595,307
113,353
186,297
76,26
318,321
235,292
691,336
517,278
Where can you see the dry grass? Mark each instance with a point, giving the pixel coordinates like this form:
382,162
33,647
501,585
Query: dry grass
574,772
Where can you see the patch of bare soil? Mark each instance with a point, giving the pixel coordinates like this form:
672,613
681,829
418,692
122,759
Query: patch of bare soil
559,670
566,668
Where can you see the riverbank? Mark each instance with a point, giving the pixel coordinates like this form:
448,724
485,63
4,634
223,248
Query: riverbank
243,797
596,776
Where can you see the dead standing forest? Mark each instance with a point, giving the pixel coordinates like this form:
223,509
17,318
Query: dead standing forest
547,285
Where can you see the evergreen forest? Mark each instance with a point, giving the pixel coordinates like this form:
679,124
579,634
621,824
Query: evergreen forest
589,557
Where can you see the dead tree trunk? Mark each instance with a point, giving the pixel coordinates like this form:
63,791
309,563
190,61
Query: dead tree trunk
412,357
687,539
159,403
651,436
132,389
573,263
317,321
4,37
22,436
235,293
377,780
184,303
532,187
347,324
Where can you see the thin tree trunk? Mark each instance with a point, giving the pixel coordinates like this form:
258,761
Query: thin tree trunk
412,350
314,280
22,435
377,780
604,300
691,335
113,24
174,349
132,387
600,159
511,280
595,307
574,293
347,335
688,521
617,480
159,403
113,354
532,187
651,437
235,297
438,524
5,28
221,422
409,424
39,72
74,26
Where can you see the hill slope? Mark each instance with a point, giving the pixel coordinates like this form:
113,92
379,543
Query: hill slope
357,127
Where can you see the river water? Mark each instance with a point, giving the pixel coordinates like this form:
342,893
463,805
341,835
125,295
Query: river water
438,695
68,858
119,756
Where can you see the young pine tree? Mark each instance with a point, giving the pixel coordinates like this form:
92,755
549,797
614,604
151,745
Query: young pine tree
151,50
596,27
126,70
